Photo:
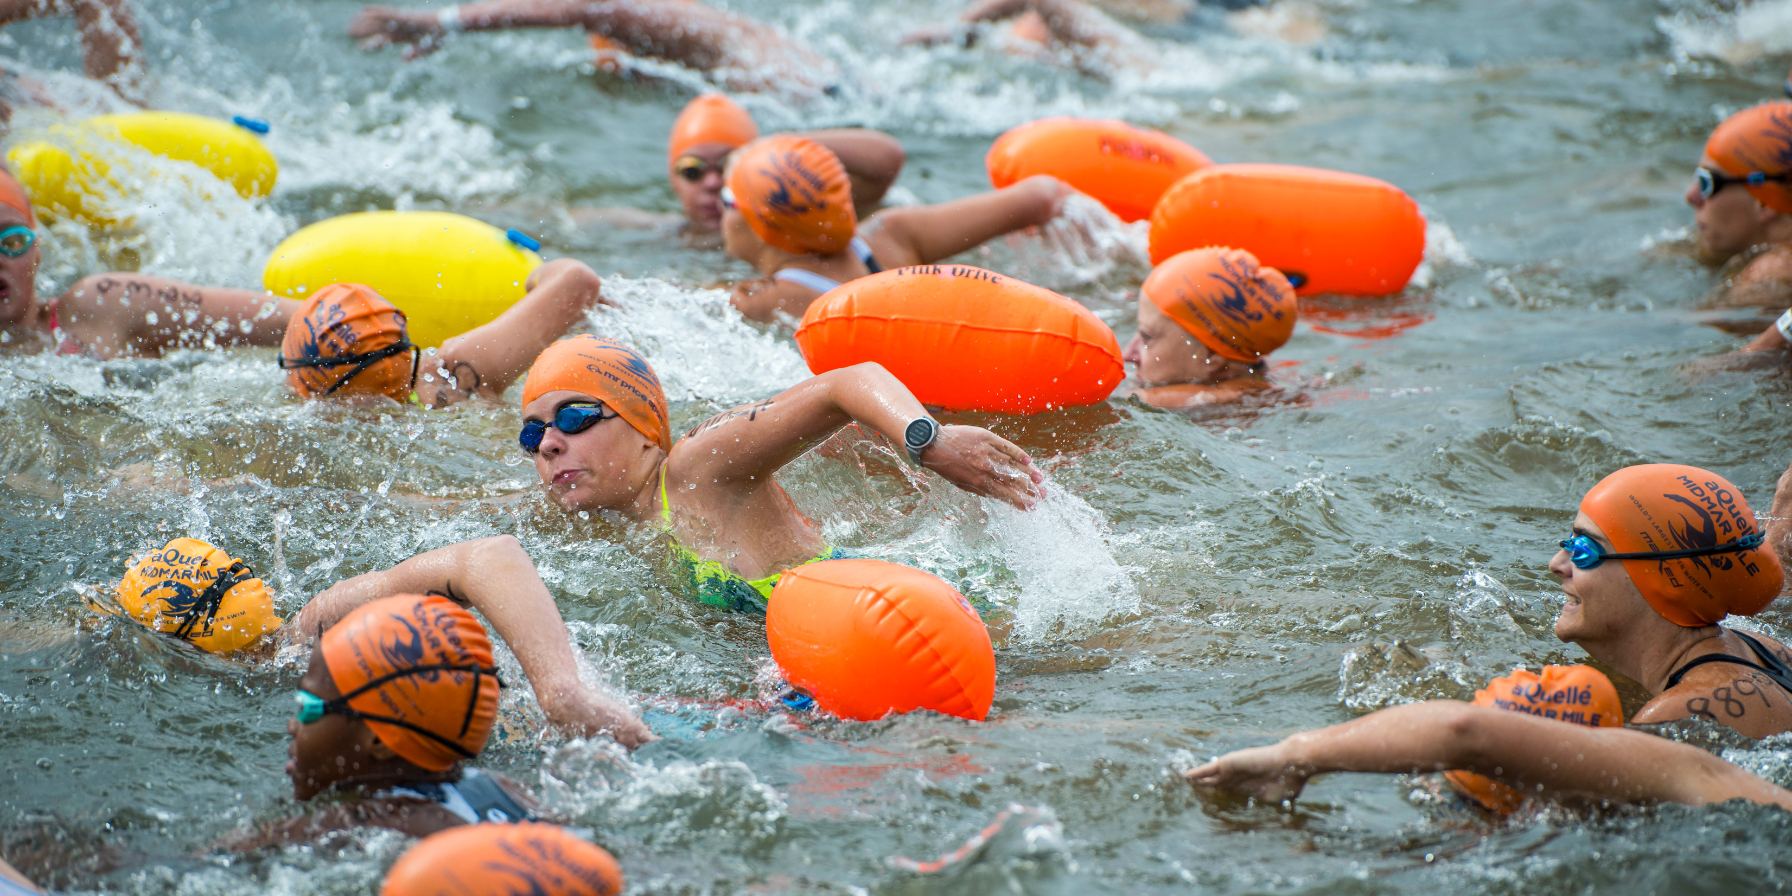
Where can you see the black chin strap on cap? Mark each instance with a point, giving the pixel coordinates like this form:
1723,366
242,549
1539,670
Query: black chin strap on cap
361,361
212,599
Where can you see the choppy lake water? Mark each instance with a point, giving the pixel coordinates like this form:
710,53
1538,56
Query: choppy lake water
1191,586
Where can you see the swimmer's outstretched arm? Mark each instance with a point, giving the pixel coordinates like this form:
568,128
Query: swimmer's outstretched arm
872,159
740,449
1520,750
111,50
497,578
1069,21
924,234
487,359
1778,530
139,314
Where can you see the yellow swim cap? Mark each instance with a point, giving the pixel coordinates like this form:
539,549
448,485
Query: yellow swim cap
197,593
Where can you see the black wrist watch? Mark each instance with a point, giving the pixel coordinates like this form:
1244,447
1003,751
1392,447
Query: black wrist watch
921,432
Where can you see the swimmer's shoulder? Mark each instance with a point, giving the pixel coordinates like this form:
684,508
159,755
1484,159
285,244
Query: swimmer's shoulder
416,817
766,299
1761,277
1731,695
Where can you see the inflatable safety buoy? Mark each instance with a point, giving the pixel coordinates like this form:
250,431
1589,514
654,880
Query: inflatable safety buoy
868,638
1123,167
448,273
1327,231
66,171
964,338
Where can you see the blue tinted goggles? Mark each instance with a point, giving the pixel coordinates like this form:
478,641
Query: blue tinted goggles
1584,553
16,241
569,419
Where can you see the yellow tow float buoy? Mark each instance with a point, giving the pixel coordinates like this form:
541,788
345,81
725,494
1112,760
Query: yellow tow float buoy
69,172
448,273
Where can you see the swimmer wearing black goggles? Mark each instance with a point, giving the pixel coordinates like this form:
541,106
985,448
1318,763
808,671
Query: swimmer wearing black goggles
1711,182
569,419
1585,553
694,169
361,361
313,707
16,241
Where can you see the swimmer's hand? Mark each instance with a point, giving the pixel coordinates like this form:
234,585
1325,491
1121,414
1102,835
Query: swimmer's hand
983,463
1266,773
378,27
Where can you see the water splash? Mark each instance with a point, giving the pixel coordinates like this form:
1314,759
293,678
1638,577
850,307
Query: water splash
1069,580
702,349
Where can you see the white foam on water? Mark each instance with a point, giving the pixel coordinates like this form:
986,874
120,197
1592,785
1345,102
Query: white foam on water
1736,35
1443,250
1059,553
700,346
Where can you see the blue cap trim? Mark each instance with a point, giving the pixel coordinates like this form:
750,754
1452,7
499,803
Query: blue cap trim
522,239
249,124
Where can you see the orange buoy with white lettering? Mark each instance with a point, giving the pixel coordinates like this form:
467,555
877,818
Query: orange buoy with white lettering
964,338
1123,167
867,638
1329,232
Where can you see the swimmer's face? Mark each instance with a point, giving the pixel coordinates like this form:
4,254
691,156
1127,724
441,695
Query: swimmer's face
335,750
1163,353
701,198
18,276
605,466
1729,222
1602,603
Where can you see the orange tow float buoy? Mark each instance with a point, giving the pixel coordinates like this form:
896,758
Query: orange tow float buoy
1328,231
964,338
1125,168
867,638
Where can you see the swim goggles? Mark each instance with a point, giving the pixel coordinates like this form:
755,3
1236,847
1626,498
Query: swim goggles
727,198
16,241
1710,182
1584,552
361,361
313,707
569,419
694,169
211,600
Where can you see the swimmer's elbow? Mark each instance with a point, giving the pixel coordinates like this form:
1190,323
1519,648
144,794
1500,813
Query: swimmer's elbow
1465,733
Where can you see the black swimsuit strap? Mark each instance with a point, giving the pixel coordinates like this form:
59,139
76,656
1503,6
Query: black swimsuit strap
1774,667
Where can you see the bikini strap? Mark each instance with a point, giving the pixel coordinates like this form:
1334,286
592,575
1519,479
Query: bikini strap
863,250
807,279
1781,676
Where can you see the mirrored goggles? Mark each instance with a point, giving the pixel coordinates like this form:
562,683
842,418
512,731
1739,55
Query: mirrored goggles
16,241
1710,182
694,169
569,419
313,707
1585,553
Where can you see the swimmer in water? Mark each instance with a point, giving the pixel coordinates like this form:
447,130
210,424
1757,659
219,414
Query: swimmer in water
594,418
1742,207
398,695
536,859
108,315
194,592
1207,319
111,51
788,210
348,342
709,128
1553,736
1096,44
736,52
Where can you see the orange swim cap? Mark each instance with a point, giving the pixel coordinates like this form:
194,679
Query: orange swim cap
347,340
418,670
710,118
1670,507
491,859
1225,299
1757,140
795,194
608,371
197,593
1578,695
13,193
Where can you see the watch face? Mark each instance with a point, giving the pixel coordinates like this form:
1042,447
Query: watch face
919,432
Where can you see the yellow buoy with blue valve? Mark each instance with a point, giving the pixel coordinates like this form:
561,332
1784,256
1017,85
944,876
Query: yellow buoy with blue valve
70,172
448,273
